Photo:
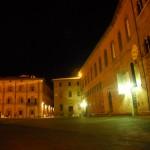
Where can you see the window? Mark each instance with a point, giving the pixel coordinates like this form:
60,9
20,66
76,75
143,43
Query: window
78,93
9,100
100,64
91,71
20,112
32,88
32,112
20,88
95,69
70,108
139,6
70,94
147,44
120,41
127,29
88,80
21,101
60,84
105,58
28,101
61,107
10,88
113,54
69,83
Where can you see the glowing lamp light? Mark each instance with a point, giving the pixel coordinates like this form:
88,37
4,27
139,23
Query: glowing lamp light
42,104
83,104
80,74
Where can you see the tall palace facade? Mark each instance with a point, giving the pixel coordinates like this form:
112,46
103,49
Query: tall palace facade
115,79
24,97
116,76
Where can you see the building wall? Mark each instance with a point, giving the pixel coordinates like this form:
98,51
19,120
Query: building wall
67,96
22,97
101,79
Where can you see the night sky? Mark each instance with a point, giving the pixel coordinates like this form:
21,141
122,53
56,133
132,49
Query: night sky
51,40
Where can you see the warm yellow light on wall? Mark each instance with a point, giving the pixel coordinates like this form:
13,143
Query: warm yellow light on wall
79,74
42,105
83,104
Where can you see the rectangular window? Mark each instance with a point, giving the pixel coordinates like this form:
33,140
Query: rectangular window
69,83
100,64
70,108
61,107
113,54
147,45
78,93
139,6
91,71
70,94
60,84
127,29
120,41
32,88
105,58
95,69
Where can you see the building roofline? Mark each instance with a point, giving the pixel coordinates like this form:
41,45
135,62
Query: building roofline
21,78
69,78
108,29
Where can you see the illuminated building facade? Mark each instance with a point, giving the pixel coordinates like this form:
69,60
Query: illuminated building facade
67,96
116,76
24,97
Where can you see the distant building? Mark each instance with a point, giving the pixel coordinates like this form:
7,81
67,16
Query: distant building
116,76
67,96
24,97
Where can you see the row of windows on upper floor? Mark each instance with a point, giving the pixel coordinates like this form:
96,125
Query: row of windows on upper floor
95,89
140,5
69,84
20,100
93,72
70,94
95,69
20,88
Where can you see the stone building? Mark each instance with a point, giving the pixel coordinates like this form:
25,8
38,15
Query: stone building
116,76
24,97
67,96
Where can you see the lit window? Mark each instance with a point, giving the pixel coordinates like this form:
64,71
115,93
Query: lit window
127,29
113,54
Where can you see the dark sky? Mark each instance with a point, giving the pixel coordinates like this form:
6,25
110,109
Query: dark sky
51,40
